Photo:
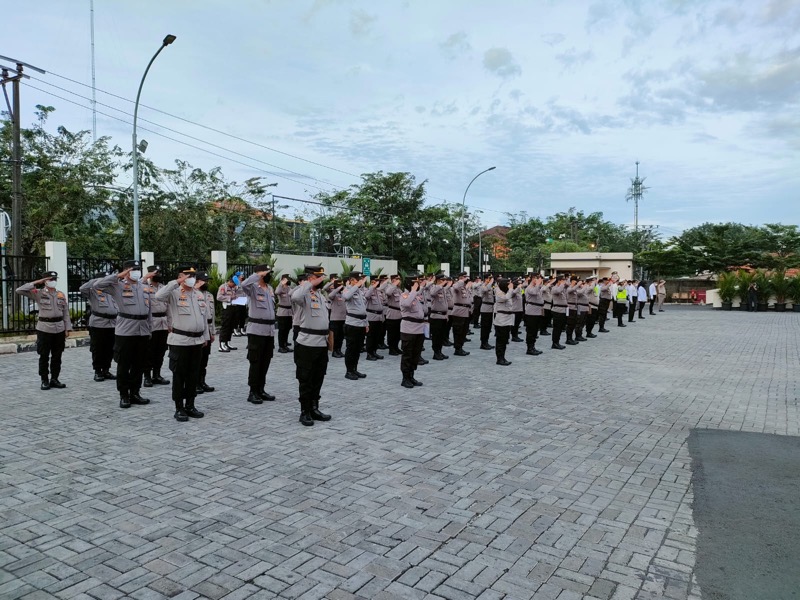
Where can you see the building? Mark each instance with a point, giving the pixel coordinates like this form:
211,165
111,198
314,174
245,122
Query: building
584,264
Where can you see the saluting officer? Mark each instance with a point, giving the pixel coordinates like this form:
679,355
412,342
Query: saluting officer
477,298
338,313
462,304
311,346
604,303
356,324
102,322
487,311
202,286
592,294
374,307
572,310
284,312
260,331
130,291
187,336
438,314
392,323
52,326
412,329
226,294
547,298
534,313
159,331
518,308
558,291
583,310
504,295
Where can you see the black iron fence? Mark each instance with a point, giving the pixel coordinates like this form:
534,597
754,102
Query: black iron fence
245,268
19,313
169,267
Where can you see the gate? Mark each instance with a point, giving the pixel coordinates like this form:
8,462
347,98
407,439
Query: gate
19,313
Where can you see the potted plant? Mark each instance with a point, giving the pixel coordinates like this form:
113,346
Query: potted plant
794,292
726,282
744,278
780,288
764,291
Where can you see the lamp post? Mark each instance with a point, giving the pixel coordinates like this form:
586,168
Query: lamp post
480,248
167,41
463,208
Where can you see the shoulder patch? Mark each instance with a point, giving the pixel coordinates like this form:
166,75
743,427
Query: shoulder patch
60,295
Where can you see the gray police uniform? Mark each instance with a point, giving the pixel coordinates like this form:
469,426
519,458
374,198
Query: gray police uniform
355,325
412,331
102,322
260,331
51,328
311,347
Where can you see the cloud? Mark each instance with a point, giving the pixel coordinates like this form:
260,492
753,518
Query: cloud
440,110
572,59
361,22
500,62
553,39
599,14
729,17
456,45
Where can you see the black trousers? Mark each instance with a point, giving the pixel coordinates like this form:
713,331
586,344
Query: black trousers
355,341
501,335
204,356
101,344
580,322
157,348
311,365
603,312
620,310
130,352
652,303
559,323
517,320
533,324
591,320
547,318
438,334
337,327
476,311
486,326
374,336
226,328
259,353
393,334
640,306
184,362
239,316
460,328
50,347
284,327
631,311
448,327
412,351
572,319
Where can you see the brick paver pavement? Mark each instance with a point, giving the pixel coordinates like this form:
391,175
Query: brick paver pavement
562,476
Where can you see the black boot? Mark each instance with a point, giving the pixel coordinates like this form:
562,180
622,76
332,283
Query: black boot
533,351
199,390
407,383
337,354
372,356
148,382
223,347
556,346
306,419
158,379
55,383
439,356
191,411
265,396
45,384
487,346
503,362
180,413
124,401
255,398
206,387
516,338
415,382
98,376
136,398
351,376
110,376
422,361
317,414
393,352
461,352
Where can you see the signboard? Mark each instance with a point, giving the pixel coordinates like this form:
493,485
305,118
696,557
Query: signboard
365,266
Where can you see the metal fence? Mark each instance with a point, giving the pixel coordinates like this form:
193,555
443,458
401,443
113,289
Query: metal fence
19,313
170,267
245,268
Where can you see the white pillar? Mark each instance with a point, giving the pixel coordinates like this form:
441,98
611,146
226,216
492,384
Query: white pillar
56,253
219,258
467,270
421,269
148,260
445,267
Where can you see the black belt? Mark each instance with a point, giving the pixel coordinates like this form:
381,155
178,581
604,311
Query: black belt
134,317
489,303
282,306
209,320
104,315
439,312
313,331
413,319
394,307
583,305
163,314
261,321
464,305
192,334
505,312
355,316
536,303
51,319
374,312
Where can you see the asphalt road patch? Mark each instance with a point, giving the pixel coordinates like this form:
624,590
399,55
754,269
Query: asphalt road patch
747,510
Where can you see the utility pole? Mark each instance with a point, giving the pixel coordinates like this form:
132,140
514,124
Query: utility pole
635,193
94,87
14,75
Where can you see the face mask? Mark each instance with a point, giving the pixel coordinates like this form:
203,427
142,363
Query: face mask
51,284
135,275
190,281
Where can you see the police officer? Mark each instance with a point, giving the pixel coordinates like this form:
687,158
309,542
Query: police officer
583,310
334,288
558,292
284,312
412,329
593,294
311,346
393,292
295,327
356,324
438,314
604,303
226,294
518,308
52,327
534,313
202,286
188,334
159,331
375,315
477,298
487,311
504,294
260,331
547,298
462,304
131,291
102,321
572,310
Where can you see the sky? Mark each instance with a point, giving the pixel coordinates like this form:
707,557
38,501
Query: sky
563,97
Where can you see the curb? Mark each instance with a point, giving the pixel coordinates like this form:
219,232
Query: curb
31,346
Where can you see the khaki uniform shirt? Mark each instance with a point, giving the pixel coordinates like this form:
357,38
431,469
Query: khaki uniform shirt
133,302
534,303
559,293
187,314
356,306
392,302
104,309
374,304
503,308
158,308
412,309
438,296
338,308
284,295
462,299
53,308
261,308
312,316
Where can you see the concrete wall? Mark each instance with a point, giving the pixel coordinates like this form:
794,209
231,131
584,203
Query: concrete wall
593,263
287,263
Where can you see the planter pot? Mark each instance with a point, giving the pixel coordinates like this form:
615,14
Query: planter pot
727,305
762,307
743,306
796,307
780,307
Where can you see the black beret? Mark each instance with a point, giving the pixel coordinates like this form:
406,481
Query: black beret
314,270
261,267
132,264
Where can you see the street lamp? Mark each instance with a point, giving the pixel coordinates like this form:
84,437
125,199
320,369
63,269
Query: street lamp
480,247
463,208
167,41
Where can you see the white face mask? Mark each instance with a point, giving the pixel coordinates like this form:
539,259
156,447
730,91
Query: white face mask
51,284
190,281
135,275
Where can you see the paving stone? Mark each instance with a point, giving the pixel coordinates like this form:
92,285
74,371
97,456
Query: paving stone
453,490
